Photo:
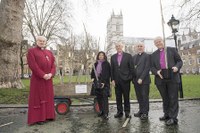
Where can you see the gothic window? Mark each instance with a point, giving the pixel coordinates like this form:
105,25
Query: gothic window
184,62
117,27
198,51
194,70
198,60
187,70
191,61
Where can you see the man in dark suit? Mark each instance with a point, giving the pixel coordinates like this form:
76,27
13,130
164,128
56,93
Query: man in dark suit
141,80
121,75
161,60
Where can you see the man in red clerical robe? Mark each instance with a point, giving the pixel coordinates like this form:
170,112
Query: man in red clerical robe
41,97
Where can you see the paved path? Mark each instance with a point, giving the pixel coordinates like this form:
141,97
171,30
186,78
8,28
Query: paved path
84,120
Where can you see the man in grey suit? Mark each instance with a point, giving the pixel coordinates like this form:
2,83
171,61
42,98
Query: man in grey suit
121,75
167,82
141,80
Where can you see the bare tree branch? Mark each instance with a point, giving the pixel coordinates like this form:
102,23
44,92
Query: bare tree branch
47,17
189,12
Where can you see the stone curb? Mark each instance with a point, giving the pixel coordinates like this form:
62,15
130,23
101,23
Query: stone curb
89,104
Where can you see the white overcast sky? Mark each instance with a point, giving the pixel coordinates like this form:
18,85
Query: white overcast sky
142,18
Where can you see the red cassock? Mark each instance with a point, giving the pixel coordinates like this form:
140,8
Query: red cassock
41,97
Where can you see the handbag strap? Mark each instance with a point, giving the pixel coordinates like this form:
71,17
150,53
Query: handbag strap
95,73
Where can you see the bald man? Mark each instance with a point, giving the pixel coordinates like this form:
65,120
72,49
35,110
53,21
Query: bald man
167,60
121,75
141,80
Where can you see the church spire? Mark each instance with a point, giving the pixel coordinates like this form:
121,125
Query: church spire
113,13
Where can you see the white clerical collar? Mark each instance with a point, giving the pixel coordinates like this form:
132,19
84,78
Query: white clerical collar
120,53
161,49
42,48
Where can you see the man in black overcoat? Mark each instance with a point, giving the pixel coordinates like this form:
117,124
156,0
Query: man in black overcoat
121,75
165,65
141,80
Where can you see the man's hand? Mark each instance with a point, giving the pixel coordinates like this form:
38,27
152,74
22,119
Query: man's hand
102,85
46,77
175,69
50,75
92,79
139,81
159,74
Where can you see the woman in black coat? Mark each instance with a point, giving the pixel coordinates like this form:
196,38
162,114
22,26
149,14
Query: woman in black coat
103,72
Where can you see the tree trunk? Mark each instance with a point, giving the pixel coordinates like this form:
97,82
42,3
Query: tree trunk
11,19
22,67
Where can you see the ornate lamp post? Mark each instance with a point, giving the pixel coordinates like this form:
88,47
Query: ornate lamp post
174,25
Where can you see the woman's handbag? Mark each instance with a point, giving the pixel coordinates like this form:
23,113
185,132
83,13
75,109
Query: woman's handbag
93,90
96,83
96,87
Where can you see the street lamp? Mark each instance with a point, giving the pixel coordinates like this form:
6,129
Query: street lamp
174,25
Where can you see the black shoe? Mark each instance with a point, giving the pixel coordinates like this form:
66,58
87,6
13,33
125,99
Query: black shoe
144,117
171,122
100,114
50,120
105,117
164,118
118,115
138,114
40,123
127,115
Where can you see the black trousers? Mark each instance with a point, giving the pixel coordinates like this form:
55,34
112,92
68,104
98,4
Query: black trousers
122,88
142,94
102,99
169,94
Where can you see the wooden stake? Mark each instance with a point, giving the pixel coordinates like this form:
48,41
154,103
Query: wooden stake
6,124
126,122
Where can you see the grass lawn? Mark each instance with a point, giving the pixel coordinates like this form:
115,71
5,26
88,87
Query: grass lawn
191,89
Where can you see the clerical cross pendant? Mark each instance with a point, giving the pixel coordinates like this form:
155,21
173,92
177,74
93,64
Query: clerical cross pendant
135,66
47,58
